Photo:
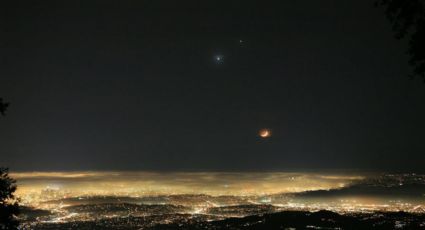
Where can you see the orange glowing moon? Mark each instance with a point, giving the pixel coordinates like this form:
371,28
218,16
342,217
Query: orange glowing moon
265,133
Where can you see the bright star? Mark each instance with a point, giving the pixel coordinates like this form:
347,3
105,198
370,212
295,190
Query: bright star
219,58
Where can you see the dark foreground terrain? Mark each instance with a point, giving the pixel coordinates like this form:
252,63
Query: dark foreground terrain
281,220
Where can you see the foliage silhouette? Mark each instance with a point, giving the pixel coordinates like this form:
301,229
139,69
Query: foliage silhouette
9,208
408,21
3,107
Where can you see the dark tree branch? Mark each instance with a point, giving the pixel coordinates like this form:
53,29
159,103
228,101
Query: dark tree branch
408,22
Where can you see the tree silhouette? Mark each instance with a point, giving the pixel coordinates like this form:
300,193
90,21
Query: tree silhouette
9,208
408,21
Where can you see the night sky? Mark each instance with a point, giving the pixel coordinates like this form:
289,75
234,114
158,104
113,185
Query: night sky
187,85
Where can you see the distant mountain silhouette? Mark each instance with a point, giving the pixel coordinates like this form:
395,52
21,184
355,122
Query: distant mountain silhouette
409,190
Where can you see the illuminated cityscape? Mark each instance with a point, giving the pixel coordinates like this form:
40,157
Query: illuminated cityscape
150,198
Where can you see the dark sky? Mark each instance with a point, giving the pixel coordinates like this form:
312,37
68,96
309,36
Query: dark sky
134,85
